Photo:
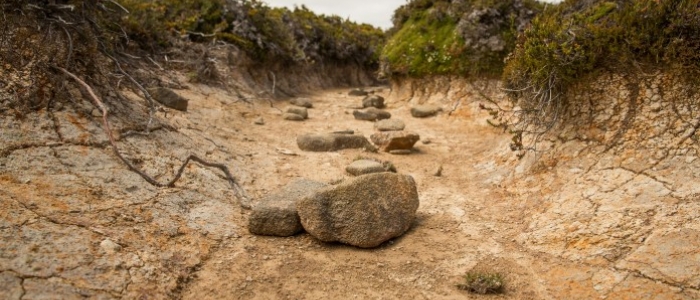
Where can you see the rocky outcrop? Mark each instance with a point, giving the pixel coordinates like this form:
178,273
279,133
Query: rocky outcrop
276,214
364,212
326,142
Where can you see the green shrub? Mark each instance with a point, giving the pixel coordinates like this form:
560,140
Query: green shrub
465,38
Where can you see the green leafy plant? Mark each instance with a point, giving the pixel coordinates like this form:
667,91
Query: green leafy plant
483,283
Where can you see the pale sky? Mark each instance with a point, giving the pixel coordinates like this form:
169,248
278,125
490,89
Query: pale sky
375,12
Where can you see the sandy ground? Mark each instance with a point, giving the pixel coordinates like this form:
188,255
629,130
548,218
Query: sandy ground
77,224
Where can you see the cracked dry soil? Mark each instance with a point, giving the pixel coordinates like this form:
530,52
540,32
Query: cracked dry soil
75,223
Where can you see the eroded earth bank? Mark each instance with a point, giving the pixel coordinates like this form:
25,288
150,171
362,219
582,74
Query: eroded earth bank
604,209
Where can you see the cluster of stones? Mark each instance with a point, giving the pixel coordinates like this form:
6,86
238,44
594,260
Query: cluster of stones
374,206
364,211
299,110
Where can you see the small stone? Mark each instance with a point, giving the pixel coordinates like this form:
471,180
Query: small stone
358,92
292,117
299,111
373,101
169,98
389,125
259,121
365,166
438,173
426,141
302,102
110,247
400,152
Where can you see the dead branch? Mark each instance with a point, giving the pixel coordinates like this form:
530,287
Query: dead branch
238,190
146,94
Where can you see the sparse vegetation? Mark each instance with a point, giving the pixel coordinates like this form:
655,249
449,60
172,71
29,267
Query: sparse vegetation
573,41
482,283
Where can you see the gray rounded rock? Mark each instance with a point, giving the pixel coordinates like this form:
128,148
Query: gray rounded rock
425,110
364,212
169,98
389,125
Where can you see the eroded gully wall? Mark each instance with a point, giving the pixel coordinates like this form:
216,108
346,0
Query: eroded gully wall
615,185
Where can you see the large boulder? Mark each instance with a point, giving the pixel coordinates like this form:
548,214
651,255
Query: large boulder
363,212
425,110
302,111
373,101
276,214
388,141
389,125
325,142
169,98
371,114
302,102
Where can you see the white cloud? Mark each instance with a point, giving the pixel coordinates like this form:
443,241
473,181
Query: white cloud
375,12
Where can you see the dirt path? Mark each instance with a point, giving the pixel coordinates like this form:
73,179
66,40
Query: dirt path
75,223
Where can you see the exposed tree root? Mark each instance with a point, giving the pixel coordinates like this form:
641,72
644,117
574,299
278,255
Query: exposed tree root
238,190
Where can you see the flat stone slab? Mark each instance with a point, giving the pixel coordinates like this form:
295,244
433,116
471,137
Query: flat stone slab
364,212
326,142
388,141
169,98
371,114
425,110
365,166
390,125
276,214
